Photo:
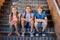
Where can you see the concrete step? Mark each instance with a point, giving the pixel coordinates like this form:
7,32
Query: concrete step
49,30
27,38
7,21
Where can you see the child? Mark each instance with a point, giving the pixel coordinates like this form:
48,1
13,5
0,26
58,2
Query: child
13,20
27,17
40,19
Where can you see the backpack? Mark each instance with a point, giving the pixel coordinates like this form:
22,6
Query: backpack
25,15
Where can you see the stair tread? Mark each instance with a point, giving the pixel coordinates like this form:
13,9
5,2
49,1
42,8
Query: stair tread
14,36
6,22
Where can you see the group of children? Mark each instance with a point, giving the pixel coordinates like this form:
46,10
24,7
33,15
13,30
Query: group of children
35,19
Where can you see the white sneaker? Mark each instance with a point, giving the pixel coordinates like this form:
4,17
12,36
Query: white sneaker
31,34
37,34
23,34
43,34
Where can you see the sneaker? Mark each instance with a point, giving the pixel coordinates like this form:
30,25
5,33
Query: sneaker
36,33
23,34
43,34
31,34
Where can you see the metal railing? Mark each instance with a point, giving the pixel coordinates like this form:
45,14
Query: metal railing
57,6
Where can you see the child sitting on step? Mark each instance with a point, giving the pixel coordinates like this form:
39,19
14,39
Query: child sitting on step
27,17
13,20
40,19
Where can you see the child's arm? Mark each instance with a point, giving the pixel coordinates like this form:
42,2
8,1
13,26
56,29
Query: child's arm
41,20
9,18
22,17
19,15
30,19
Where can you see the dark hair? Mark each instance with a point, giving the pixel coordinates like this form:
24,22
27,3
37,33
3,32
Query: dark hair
28,6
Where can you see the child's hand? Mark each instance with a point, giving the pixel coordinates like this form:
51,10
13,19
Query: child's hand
36,20
26,19
39,20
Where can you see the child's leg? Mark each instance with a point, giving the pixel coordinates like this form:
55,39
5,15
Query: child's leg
44,25
36,25
16,27
10,29
22,23
31,24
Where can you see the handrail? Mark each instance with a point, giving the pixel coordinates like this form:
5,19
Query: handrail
57,7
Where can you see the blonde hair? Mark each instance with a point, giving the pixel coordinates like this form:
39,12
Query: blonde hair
40,6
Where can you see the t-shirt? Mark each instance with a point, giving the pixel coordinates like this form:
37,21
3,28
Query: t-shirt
41,15
15,18
25,15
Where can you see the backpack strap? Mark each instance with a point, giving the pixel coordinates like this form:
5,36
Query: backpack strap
25,15
31,15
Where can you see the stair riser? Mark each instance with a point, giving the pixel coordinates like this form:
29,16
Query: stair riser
27,38
7,30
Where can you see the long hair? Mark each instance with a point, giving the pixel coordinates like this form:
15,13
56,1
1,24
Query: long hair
11,13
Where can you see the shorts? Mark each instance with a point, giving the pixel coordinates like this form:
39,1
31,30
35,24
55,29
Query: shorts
40,24
27,24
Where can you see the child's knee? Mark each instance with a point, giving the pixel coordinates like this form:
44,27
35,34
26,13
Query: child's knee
15,24
44,25
36,23
31,22
11,24
22,19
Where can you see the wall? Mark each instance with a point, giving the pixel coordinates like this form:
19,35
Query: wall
55,17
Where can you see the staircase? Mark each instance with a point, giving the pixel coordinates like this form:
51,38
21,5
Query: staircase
4,25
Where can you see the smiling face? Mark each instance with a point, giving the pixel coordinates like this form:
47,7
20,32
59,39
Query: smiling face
39,9
28,9
14,10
